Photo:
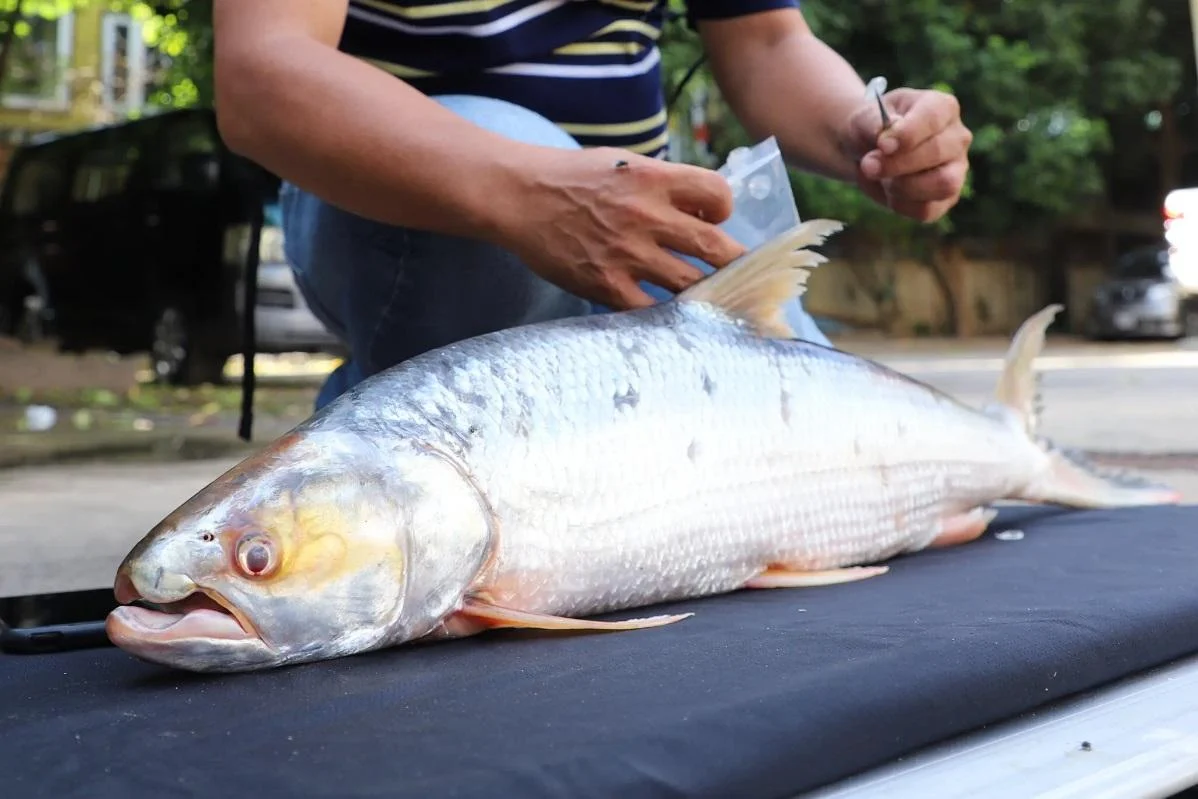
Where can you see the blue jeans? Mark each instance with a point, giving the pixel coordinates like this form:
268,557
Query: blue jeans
391,293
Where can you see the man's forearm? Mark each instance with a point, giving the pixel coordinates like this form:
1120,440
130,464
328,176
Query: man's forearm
363,140
781,80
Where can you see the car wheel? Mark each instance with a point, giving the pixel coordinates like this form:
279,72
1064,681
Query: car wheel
30,326
179,356
1189,325
8,319
21,317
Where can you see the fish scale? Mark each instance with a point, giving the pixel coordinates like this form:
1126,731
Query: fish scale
773,487
536,476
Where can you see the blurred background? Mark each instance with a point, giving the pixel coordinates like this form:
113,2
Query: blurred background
125,227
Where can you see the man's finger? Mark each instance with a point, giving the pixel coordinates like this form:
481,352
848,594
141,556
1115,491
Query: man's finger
623,294
929,114
872,189
703,240
931,185
920,211
665,270
946,147
700,192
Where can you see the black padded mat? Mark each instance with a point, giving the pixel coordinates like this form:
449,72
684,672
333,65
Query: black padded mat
761,694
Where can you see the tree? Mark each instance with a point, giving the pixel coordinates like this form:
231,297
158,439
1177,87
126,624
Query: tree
1056,94
181,30
15,16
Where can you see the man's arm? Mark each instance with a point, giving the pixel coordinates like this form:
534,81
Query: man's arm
350,133
365,141
781,80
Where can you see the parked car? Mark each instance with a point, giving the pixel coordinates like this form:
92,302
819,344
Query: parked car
132,238
1150,293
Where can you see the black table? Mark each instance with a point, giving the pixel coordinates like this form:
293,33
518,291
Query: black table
760,694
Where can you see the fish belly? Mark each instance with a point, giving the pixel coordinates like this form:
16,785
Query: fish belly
641,461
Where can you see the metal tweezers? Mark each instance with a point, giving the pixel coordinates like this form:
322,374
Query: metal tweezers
876,88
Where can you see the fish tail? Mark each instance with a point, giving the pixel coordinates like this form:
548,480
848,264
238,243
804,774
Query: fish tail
1069,477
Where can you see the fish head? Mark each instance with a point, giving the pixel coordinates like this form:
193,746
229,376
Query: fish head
319,547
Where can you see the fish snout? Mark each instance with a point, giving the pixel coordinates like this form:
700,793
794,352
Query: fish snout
123,588
142,581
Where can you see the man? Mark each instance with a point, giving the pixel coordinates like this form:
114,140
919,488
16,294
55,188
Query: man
453,168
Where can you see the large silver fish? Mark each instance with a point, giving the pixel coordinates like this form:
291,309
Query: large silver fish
534,476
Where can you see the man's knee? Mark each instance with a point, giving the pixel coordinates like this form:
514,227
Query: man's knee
508,119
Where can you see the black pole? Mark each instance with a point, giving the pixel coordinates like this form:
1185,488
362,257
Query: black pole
250,303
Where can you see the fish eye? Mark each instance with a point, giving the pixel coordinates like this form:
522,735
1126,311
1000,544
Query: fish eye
255,555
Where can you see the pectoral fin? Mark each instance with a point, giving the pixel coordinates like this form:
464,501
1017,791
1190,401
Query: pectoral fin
784,578
493,616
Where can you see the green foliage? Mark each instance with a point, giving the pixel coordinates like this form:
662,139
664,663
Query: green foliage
1055,93
182,31
1040,84
47,9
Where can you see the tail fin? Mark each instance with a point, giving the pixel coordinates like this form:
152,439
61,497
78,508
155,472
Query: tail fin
1070,478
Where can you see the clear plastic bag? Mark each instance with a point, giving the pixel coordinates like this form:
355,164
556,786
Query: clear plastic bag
763,207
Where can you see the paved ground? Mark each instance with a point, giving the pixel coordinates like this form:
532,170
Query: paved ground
67,527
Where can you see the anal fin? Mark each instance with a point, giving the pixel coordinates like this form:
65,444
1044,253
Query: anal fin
492,617
786,578
961,528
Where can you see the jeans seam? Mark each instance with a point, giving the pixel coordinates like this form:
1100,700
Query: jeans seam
397,282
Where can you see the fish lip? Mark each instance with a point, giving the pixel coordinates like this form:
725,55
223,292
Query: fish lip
128,595
232,610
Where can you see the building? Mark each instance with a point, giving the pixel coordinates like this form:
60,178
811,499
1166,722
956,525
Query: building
87,67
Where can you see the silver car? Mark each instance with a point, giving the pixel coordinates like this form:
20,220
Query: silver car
1144,298
282,320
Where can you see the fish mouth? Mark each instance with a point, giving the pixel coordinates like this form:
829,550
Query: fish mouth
202,614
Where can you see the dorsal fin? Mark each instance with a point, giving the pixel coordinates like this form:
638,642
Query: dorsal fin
1019,384
754,287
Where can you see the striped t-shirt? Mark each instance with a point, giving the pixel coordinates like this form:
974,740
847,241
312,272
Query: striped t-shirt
590,66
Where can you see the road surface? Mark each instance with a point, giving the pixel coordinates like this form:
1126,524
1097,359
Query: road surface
65,528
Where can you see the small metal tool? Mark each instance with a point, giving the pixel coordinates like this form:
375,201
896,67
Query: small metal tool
876,88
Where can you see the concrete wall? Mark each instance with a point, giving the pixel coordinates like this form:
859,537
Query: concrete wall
993,295
1083,279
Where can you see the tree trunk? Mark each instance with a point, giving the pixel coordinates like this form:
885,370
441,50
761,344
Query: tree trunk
946,271
1171,150
6,40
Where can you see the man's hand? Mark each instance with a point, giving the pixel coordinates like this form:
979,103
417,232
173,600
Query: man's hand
917,167
597,221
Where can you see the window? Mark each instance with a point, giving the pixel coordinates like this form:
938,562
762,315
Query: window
130,69
122,63
38,65
37,184
1145,263
106,164
188,154
104,171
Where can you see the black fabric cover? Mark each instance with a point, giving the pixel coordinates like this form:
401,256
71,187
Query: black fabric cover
761,694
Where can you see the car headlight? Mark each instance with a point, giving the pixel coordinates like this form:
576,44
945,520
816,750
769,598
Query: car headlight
1162,295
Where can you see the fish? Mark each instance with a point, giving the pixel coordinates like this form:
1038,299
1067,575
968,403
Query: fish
540,476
